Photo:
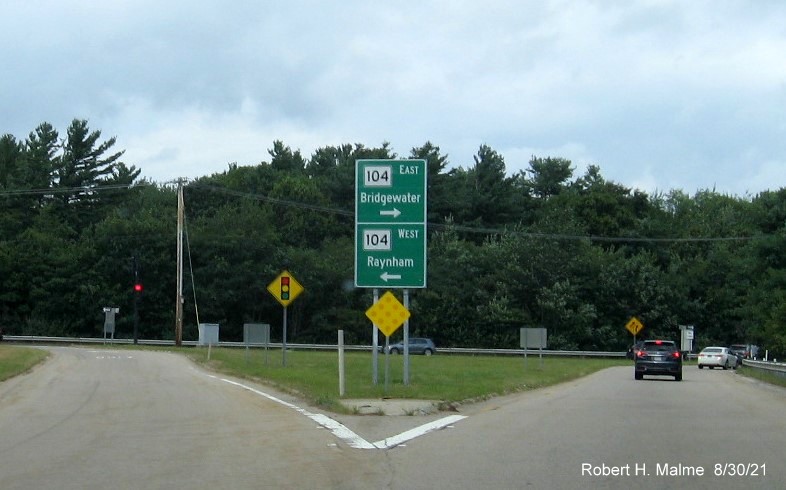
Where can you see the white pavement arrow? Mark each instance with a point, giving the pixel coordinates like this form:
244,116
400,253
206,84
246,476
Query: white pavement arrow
393,212
385,276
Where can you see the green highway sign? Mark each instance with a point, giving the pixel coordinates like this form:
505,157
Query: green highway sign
390,256
390,191
390,223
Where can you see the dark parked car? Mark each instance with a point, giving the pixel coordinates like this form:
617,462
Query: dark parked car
632,350
740,351
658,357
745,351
416,346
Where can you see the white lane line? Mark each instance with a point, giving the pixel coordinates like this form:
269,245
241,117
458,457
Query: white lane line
418,431
338,430
343,432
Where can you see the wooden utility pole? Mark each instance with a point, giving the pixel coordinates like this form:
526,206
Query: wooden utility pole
179,299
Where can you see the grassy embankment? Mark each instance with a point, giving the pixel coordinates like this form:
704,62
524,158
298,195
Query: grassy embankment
447,378
17,360
314,375
765,376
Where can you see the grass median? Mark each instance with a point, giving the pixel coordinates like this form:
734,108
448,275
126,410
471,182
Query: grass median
445,378
313,375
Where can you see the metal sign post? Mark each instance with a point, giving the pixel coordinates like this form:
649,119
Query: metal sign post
109,321
375,346
285,289
634,326
532,338
341,383
406,339
284,340
387,314
256,334
686,338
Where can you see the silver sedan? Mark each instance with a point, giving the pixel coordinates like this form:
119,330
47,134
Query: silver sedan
717,357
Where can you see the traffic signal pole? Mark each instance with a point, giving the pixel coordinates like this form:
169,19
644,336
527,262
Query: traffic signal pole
179,299
136,317
137,292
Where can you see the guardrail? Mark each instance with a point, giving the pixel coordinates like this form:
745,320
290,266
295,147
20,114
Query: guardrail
777,368
86,340
530,352
192,343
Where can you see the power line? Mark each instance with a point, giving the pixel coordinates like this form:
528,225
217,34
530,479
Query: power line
592,238
274,200
69,190
351,214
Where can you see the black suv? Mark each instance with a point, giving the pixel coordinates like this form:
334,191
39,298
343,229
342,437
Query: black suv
740,351
658,357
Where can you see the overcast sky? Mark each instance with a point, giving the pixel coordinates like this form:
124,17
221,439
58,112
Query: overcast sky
660,94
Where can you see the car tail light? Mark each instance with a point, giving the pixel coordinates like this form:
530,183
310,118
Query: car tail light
641,353
676,354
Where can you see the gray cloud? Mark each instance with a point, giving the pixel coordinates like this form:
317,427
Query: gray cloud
660,95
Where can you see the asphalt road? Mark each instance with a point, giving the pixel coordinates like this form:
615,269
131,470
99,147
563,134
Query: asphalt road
94,418
610,431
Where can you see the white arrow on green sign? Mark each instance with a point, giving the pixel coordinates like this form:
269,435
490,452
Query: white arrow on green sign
390,223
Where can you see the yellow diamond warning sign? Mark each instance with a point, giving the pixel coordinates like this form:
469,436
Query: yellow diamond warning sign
634,326
388,314
285,288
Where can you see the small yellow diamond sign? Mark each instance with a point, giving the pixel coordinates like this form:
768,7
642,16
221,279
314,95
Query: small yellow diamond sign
388,314
285,288
634,326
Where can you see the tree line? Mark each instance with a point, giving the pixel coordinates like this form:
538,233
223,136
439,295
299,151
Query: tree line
576,254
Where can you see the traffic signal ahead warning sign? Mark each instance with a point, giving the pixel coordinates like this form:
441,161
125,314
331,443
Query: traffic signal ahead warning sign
285,288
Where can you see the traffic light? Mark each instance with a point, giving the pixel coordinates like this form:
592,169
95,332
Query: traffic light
138,288
285,288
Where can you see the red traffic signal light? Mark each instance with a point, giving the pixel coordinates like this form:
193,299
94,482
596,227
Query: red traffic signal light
138,288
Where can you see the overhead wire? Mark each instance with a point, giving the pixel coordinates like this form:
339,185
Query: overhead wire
483,230
346,213
191,268
68,190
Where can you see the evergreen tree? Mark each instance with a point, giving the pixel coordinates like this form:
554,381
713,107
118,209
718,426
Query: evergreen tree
84,163
83,166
